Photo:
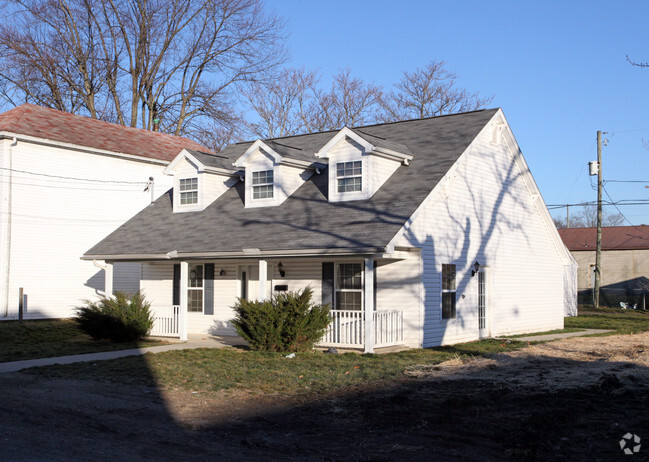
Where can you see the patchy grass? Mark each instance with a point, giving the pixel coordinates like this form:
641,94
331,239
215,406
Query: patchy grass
209,370
49,338
619,320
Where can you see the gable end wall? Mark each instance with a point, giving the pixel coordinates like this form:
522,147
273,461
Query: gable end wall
483,210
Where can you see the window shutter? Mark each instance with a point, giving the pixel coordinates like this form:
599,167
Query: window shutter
208,288
176,295
328,284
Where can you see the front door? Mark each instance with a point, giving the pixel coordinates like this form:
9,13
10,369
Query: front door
482,304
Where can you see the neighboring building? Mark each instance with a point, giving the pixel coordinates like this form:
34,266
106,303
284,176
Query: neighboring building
625,262
421,232
65,182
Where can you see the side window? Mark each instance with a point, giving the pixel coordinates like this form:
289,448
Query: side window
349,176
188,191
262,184
448,291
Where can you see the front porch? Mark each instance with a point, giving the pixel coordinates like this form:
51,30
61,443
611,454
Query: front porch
204,291
348,329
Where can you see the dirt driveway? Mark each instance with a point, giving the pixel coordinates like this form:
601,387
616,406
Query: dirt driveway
573,399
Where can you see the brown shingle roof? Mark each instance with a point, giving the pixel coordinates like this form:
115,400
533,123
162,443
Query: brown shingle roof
50,124
613,238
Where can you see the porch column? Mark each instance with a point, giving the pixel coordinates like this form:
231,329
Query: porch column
182,316
368,313
108,280
263,278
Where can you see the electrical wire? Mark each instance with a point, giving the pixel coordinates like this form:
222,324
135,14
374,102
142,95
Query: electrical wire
72,178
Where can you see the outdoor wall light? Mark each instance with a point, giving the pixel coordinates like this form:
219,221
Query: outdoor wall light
476,268
222,272
280,268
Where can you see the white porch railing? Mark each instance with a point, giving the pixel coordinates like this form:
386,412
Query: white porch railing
166,321
347,329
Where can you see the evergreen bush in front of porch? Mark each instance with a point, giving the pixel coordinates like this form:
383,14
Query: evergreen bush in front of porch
121,318
286,322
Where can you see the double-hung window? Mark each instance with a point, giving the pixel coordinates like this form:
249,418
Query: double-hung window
262,184
349,176
195,288
188,191
448,291
349,286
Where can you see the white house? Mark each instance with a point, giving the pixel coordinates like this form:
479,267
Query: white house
422,232
65,182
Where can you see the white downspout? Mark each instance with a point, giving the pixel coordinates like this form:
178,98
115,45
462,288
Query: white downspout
7,250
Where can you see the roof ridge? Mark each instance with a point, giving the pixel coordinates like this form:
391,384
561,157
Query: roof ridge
358,127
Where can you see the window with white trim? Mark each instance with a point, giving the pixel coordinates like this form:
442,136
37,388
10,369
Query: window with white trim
262,184
349,286
349,176
188,191
448,291
195,288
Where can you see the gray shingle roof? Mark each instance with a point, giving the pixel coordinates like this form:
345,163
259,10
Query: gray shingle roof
306,220
212,160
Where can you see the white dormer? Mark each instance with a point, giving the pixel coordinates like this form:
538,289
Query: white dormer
358,167
196,184
269,177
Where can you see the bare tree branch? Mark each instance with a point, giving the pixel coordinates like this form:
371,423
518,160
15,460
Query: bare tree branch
133,61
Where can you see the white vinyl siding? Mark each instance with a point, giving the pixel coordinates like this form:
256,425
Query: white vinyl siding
355,174
55,220
483,210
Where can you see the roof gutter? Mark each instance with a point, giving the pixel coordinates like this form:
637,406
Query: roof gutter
244,253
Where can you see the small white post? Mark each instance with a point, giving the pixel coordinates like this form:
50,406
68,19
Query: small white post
368,306
108,280
263,278
182,317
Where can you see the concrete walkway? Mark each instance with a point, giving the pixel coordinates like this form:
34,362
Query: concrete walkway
548,337
192,343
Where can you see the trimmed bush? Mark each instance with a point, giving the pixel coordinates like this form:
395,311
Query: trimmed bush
121,318
286,322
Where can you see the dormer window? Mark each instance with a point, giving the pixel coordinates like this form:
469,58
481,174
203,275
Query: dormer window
262,184
349,176
188,191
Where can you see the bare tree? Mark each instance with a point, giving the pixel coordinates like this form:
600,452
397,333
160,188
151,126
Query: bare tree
291,102
284,104
587,218
429,91
135,61
350,102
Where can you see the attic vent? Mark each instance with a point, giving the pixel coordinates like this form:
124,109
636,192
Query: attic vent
497,133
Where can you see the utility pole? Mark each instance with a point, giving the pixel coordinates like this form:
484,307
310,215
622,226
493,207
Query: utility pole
598,252
567,216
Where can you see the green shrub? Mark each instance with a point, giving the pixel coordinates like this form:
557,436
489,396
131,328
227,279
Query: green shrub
121,318
286,322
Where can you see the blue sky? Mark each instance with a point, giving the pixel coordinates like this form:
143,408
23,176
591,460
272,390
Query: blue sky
557,68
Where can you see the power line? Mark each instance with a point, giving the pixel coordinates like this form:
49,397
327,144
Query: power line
73,178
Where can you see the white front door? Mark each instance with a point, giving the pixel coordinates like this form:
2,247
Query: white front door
483,330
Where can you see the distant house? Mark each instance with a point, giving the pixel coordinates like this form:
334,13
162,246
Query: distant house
625,262
65,182
421,233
